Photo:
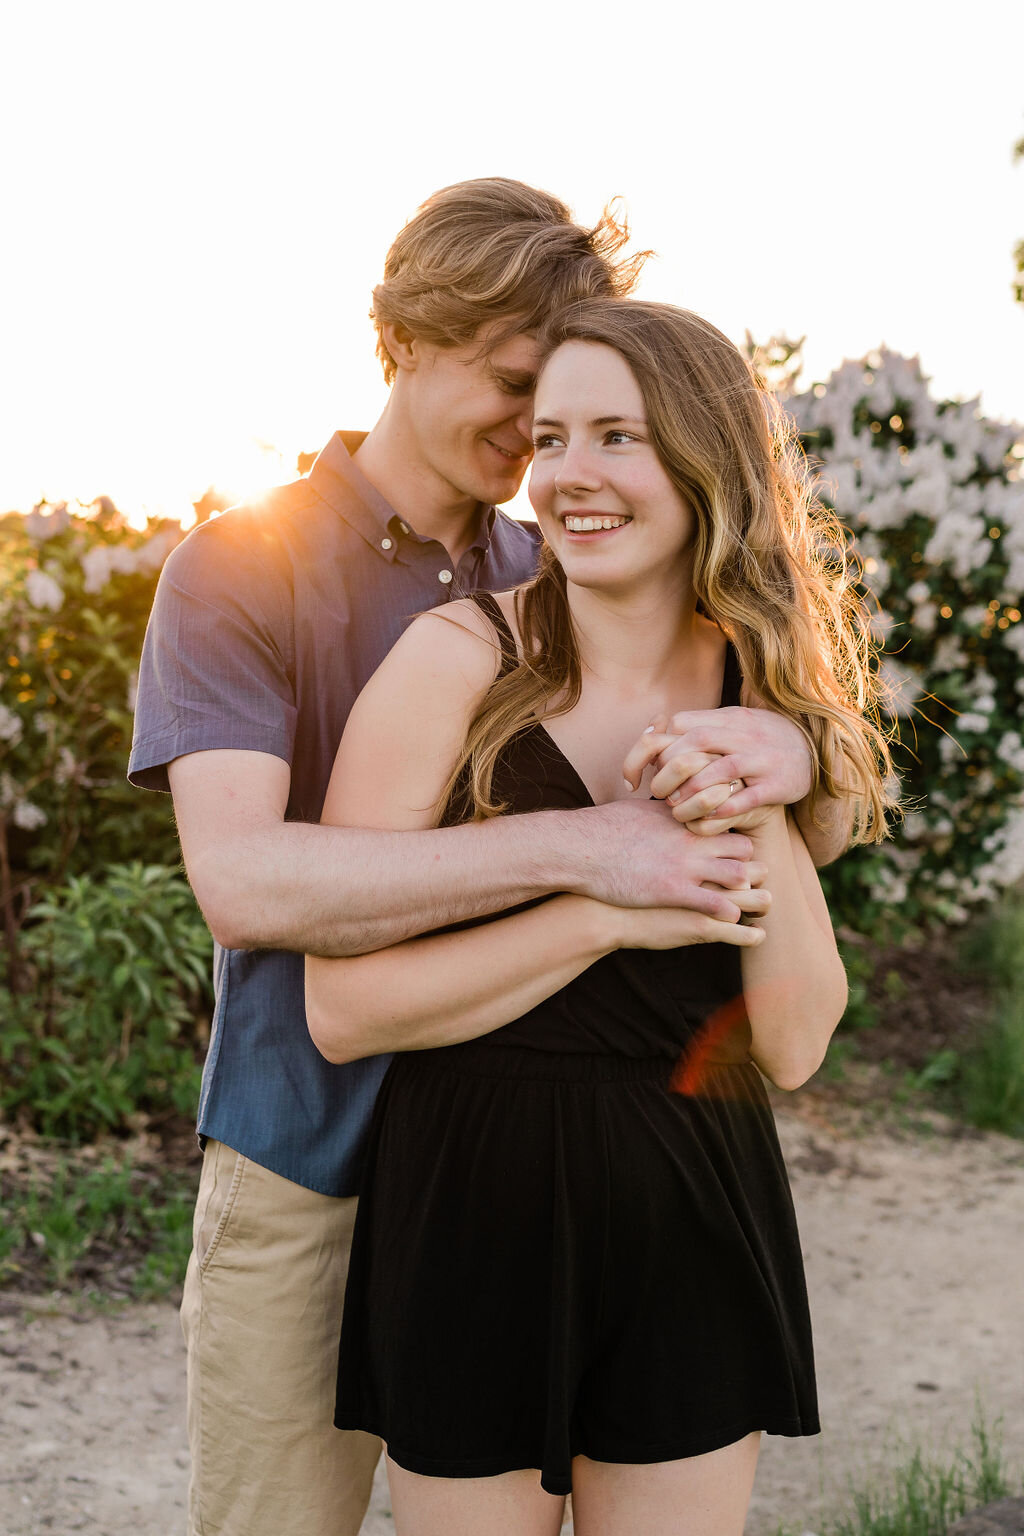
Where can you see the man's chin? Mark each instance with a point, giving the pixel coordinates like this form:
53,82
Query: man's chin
502,488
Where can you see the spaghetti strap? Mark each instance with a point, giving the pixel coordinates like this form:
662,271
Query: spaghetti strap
732,682
489,605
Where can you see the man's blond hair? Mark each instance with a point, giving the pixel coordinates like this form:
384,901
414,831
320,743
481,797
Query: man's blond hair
496,250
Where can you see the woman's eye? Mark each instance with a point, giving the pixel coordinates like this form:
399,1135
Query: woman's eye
619,436
544,441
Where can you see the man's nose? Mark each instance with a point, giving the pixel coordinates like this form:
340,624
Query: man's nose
524,423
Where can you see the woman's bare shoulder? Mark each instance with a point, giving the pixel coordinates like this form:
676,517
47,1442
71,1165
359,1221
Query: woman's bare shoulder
467,614
456,635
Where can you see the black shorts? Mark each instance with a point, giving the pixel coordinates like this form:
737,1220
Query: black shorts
557,1255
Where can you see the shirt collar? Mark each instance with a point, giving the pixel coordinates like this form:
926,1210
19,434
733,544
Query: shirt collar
337,479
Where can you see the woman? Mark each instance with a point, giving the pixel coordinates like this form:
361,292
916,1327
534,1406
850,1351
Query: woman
576,1250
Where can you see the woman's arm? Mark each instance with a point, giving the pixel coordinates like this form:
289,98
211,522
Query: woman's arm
403,737
794,984
444,988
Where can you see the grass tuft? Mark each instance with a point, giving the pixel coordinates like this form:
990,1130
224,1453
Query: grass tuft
988,1090
922,1496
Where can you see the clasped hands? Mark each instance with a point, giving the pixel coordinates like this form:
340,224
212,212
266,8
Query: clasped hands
670,889
722,769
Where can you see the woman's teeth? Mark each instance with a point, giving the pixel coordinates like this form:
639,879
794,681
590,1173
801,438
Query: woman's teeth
590,524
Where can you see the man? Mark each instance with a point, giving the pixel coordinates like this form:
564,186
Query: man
267,622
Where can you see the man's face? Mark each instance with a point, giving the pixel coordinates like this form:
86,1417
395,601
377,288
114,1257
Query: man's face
470,409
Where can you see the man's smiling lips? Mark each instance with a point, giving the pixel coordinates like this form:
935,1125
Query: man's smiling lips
508,454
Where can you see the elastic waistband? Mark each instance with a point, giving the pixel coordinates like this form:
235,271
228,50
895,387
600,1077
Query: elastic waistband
477,1059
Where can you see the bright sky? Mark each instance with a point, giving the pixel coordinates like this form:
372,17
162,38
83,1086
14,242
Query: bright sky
199,197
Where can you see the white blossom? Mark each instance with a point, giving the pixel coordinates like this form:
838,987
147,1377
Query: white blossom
40,524
884,510
101,561
924,617
28,816
67,767
950,749
1011,751
876,568
961,541
901,686
11,727
1006,867
152,554
948,655
43,591
889,887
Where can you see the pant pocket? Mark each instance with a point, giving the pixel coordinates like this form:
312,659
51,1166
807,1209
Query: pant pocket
223,1172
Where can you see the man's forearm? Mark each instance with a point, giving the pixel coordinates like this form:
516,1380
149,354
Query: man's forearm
327,890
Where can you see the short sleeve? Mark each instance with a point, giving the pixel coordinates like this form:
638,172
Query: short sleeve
217,665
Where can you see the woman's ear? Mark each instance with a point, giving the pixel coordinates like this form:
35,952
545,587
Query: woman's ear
405,348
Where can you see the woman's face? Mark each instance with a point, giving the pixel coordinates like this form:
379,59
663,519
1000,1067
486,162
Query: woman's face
603,499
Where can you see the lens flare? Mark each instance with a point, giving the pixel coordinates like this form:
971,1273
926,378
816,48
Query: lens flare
723,1040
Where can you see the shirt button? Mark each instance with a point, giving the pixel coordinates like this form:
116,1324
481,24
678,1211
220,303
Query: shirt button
385,543
444,576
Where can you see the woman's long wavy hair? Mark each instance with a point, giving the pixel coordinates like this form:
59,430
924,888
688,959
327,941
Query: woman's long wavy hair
772,567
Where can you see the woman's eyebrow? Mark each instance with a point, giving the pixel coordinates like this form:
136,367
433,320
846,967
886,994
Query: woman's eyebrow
597,421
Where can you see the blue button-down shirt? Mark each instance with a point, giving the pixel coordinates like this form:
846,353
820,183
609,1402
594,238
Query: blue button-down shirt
266,624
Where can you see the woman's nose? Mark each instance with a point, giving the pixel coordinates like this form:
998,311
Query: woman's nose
577,472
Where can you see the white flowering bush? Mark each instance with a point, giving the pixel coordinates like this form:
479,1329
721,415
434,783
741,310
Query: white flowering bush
933,495
75,593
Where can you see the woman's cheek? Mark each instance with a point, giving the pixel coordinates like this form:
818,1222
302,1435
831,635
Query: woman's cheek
541,489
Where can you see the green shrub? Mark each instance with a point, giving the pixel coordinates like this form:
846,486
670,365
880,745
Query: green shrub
120,983
115,1228
932,494
988,1087
860,1012
75,595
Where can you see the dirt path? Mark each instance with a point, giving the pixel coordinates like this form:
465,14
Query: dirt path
915,1261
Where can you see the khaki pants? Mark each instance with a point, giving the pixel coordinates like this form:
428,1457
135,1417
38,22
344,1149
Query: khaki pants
261,1315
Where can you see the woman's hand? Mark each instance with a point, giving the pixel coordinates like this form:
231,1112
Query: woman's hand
727,820
675,927
753,757
707,810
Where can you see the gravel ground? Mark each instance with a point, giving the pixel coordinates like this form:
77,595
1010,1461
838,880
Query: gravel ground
915,1250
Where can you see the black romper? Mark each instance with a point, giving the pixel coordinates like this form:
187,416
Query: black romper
575,1234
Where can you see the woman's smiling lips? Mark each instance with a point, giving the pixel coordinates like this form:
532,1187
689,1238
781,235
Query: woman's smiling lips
587,524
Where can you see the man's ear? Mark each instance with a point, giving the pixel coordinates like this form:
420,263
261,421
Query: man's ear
404,347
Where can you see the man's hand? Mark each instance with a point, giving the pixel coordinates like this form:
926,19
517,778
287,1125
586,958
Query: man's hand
764,755
642,858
